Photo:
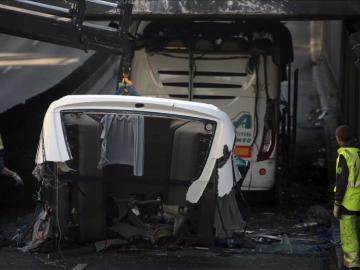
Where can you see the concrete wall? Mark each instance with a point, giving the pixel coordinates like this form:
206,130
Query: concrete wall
332,47
337,54
350,97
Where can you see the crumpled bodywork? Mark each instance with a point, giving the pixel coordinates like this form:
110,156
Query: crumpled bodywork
124,168
52,145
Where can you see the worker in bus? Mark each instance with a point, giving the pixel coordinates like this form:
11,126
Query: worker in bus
126,87
347,195
6,171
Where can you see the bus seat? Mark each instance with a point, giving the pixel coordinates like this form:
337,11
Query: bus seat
90,197
184,160
89,148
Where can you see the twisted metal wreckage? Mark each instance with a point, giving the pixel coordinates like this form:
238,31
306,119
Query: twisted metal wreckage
137,170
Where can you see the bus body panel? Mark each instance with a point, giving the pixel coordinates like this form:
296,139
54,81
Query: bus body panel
250,96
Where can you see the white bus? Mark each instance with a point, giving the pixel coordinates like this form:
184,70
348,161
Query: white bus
236,66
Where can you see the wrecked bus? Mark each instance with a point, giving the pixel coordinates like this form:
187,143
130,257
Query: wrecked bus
236,66
137,169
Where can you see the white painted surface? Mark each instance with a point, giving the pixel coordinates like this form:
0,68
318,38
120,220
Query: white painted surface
52,145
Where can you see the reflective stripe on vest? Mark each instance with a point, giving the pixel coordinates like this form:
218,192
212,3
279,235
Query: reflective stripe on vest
1,143
351,199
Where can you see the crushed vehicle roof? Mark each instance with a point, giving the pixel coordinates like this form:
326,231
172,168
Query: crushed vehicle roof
53,147
52,131
108,101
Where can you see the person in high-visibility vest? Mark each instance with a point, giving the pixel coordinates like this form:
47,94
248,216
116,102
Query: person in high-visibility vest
6,171
347,195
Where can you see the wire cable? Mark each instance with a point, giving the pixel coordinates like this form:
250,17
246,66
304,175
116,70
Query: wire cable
266,78
56,186
256,123
256,127
217,202
57,212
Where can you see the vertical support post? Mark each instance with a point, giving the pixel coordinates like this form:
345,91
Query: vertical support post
77,12
191,69
294,118
288,124
125,10
288,121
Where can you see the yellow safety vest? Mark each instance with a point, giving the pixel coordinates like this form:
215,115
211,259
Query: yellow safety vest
351,199
1,143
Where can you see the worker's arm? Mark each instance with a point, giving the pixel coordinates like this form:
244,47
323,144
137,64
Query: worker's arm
128,89
342,175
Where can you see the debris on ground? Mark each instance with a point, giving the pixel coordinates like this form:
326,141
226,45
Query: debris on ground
319,214
320,162
322,115
308,233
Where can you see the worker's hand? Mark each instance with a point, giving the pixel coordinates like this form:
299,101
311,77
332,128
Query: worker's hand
127,81
337,212
18,180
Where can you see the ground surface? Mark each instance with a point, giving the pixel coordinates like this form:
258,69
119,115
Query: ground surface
162,260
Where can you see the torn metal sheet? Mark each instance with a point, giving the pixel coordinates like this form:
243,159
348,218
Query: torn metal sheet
53,147
226,178
228,214
169,163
